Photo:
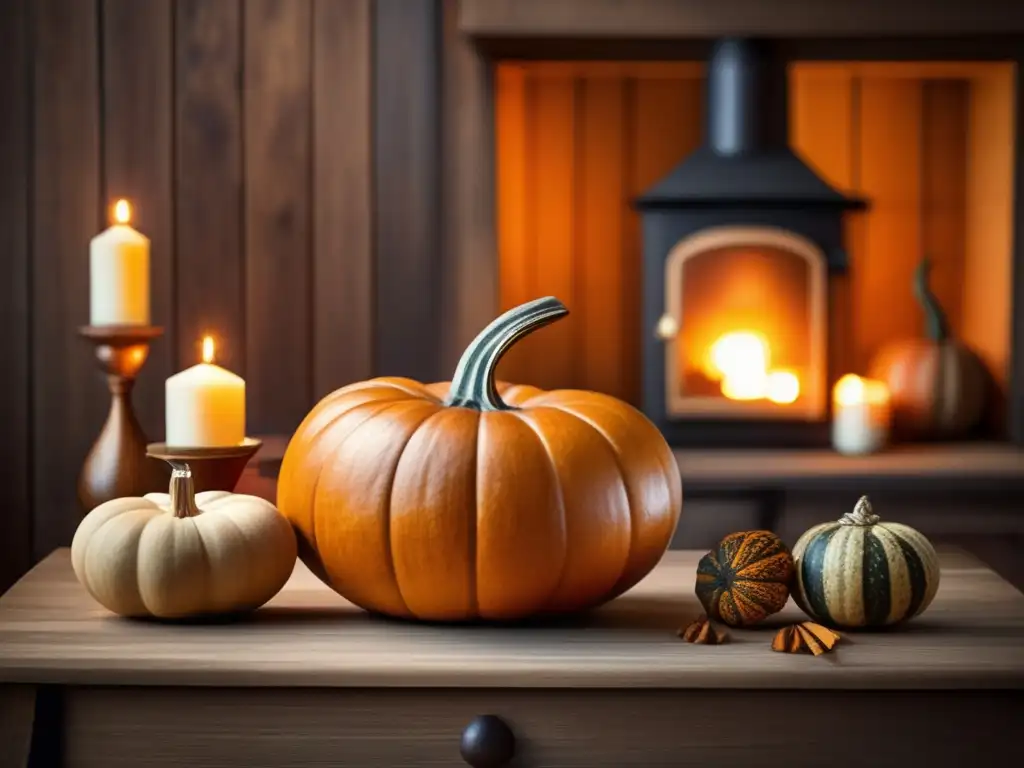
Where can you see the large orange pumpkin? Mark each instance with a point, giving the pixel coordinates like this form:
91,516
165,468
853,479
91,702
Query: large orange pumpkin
939,386
479,501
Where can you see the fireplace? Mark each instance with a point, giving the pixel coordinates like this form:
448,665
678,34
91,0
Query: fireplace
744,325
729,253
739,241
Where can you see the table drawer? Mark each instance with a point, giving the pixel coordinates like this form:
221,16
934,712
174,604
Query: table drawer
275,728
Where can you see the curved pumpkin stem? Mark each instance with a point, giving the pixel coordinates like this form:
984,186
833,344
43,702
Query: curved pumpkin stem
182,490
473,383
935,316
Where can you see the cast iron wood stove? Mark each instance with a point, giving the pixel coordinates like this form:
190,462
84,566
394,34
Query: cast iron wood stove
739,243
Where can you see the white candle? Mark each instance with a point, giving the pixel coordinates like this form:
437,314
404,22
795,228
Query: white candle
860,415
119,273
205,405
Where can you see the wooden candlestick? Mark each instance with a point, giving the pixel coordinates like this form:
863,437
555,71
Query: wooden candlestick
213,469
117,465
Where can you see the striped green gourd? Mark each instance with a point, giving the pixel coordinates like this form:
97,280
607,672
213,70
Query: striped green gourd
860,572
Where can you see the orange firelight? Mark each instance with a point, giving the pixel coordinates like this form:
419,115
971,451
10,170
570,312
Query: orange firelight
741,361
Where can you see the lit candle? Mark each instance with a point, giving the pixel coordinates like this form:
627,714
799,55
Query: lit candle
119,273
860,415
205,405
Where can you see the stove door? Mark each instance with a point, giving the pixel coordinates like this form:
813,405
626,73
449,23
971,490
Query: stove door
745,325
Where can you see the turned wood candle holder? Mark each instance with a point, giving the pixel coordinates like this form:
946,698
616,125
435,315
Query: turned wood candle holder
213,469
116,465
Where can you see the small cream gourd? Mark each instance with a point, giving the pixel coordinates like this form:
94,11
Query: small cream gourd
178,555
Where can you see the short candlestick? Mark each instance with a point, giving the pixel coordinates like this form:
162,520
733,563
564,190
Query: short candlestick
214,468
117,465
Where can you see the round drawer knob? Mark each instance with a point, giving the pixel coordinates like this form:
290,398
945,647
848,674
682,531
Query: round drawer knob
487,742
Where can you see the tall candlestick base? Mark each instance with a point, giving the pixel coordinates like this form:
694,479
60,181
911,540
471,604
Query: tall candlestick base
117,466
213,469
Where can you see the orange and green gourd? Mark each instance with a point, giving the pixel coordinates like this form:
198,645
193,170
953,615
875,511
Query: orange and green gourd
746,578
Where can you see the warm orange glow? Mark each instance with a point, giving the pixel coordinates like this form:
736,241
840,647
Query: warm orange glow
122,212
741,360
852,390
208,349
783,387
738,353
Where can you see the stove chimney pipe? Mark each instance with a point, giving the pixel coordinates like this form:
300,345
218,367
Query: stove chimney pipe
747,98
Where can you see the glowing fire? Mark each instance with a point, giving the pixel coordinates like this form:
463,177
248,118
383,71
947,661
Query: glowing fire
741,360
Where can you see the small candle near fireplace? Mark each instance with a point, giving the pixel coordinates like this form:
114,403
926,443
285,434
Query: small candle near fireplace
860,415
205,405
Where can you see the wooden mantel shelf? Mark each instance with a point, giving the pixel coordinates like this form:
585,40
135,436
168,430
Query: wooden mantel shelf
664,19
52,632
939,468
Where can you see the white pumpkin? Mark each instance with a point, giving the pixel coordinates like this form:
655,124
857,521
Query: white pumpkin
178,555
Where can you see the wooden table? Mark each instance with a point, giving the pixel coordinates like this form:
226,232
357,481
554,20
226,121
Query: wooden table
309,680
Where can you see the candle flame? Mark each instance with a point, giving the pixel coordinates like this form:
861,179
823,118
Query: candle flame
122,212
208,349
852,389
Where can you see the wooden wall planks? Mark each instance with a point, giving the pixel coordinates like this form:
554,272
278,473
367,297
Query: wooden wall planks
15,309
210,257
343,248
407,188
138,122
575,144
245,136
822,129
68,396
897,136
469,260
277,96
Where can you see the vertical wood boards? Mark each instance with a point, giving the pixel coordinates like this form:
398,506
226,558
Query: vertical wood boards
342,269
209,272
69,396
575,143
15,309
469,262
278,165
513,224
407,206
551,187
138,123
824,129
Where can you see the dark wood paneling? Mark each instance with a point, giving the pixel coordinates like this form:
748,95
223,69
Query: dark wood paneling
137,165
1015,406
469,256
343,295
659,19
277,213
69,395
209,265
15,385
407,211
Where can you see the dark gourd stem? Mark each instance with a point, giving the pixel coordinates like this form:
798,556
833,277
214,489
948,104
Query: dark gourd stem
182,490
473,383
935,317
